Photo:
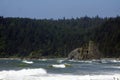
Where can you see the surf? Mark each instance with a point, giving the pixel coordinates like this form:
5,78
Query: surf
27,62
41,74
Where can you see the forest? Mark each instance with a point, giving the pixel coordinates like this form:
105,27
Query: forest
51,38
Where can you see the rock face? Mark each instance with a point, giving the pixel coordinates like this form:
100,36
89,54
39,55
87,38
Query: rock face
89,51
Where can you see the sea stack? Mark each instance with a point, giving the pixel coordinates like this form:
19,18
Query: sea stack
89,51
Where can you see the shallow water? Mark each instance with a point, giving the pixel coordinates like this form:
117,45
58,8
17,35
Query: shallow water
59,69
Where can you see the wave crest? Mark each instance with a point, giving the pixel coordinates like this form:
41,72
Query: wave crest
16,75
41,74
27,62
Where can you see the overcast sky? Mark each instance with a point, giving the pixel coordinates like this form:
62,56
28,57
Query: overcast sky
59,8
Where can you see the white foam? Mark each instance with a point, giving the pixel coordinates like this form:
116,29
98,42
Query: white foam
109,61
85,61
103,61
27,62
83,77
115,61
116,67
60,61
41,74
43,59
59,66
97,61
82,61
21,74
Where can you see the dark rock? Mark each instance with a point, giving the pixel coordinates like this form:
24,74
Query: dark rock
89,51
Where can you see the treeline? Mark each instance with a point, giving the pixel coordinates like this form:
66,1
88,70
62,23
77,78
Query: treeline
37,38
108,37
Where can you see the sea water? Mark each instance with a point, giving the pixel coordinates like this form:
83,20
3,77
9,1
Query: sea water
59,69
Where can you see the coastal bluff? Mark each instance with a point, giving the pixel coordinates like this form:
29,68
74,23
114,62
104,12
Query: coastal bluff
88,51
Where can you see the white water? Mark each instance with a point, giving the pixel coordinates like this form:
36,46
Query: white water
27,62
104,69
41,74
42,59
60,61
21,74
83,61
100,61
59,66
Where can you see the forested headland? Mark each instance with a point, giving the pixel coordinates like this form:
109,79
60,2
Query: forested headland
38,38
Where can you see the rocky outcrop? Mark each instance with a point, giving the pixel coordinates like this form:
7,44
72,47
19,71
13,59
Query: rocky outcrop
89,51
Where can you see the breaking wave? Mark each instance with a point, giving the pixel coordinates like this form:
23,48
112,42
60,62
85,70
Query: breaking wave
59,65
60,61
42,59
97,61
27,62
81,61
21,74
41,74
109,61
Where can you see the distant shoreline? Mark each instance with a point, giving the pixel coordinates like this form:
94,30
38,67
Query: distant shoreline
10,58
50,58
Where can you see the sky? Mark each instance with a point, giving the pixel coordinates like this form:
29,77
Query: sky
55,9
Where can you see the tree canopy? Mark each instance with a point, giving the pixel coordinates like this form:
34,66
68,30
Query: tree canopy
36,38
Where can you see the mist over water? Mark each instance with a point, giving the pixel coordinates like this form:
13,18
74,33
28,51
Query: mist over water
59,69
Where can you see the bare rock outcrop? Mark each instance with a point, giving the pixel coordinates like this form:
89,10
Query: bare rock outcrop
89,51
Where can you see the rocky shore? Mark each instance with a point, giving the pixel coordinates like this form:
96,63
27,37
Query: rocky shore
85,52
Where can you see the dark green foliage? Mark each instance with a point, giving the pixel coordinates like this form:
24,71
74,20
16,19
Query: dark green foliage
23,37
108,35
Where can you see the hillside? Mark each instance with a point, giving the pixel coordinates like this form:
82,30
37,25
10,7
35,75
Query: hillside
107,35
24,37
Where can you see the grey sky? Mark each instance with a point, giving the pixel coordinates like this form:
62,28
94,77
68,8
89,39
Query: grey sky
59,8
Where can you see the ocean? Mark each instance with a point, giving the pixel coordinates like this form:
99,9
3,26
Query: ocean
59,69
